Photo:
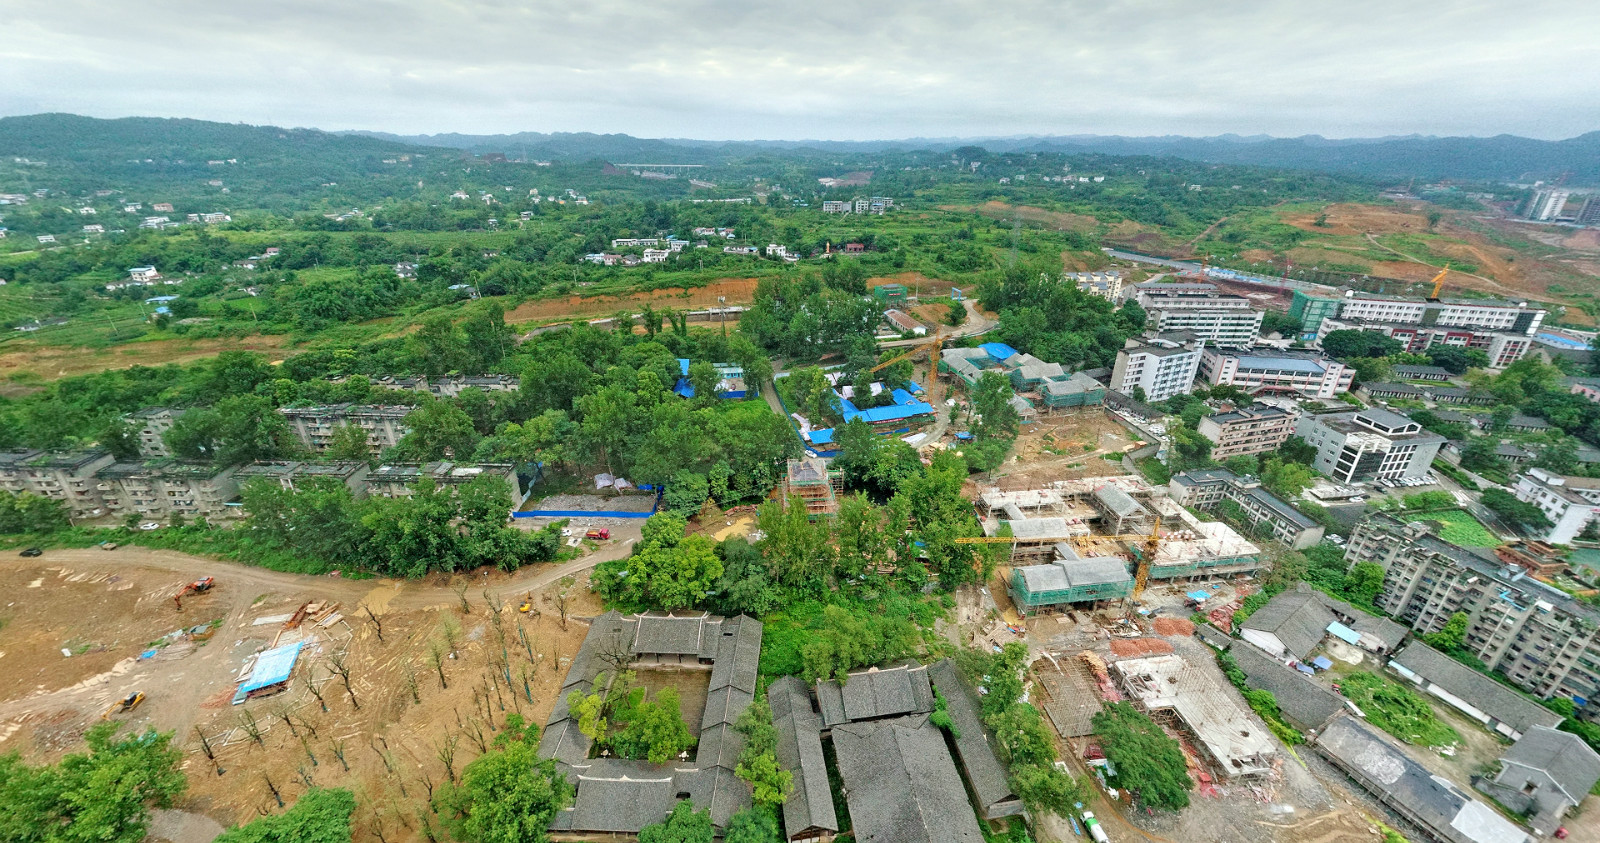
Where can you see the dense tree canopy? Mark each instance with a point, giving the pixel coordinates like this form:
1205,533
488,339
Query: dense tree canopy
103,796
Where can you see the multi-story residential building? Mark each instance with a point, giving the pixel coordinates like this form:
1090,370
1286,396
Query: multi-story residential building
1371,444
1249,430
1542,639
153,424
1205,489
66,476
288,473
1502,330
835,206
1311,309
1266,370
1106,285
315,425
160,489
1546,205
1570,503
1229,328
398,480
1162,366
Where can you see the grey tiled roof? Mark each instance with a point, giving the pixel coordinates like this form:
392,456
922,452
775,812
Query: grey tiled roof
799,751
669,635
875,693
1485,694
1306,704
1565,761
900,784
974,746
1297,618
1448,813
620,796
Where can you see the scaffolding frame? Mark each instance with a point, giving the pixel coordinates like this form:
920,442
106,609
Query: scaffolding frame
809,480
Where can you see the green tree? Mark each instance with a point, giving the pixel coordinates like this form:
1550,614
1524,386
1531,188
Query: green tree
506,795
798,550
655,730
758,762
1506,505
991,400
753,825
1149,764
121,439
104,796
438,430
704,379
1363,583
1285,479
322,815
683,825
1451,637
1351,344
349,442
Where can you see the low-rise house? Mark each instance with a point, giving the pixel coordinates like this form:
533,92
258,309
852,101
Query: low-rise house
143,273
1304,703
1474,694
986,776
1294,623
1543,776
1445,812
1421,373
1258,429
808,813
160,489
903,323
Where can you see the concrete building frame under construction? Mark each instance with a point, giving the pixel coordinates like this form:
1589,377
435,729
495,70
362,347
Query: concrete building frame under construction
1171,690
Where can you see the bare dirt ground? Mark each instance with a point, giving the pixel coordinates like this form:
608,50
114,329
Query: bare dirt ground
108,607
735,290
1065,446
52,361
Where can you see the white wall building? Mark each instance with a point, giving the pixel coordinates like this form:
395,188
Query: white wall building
1371,444
1569,502
1162,366
1269,370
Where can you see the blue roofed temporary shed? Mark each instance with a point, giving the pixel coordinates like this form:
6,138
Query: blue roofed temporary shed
272,668
1322,663
998,350
913,386
683,366
903,397
1344,633
822,436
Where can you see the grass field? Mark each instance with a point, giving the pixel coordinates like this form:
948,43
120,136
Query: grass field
1460,528
1398,711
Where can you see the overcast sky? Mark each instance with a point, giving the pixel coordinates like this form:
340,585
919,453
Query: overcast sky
817,69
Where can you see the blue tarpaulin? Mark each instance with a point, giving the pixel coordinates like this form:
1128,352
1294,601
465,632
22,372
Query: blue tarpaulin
1322,663
822,436
1344,633
1304,668
913,386
272,667
1199,596
998,350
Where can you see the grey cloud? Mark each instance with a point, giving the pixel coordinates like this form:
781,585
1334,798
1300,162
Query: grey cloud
895,68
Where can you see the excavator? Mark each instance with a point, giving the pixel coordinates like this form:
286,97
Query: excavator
125,705
200,586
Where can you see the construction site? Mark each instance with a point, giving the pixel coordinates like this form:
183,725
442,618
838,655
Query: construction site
1093,540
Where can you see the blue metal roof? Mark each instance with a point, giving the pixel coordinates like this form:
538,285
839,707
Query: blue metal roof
998,350
1286,364
913,386
683,366
272,667
903,397
890,413
684,388
1344,633
822,436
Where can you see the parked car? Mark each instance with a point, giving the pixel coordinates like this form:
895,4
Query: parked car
32,552
149,525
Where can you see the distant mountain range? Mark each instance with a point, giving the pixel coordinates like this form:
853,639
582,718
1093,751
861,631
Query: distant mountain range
1499,158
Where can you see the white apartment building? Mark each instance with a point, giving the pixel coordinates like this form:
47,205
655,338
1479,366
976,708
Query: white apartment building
1569,502
1106,285
160,489
1371,444
1268,370
655,255
1258,429
1162,366
1229,328
1502,330
385,426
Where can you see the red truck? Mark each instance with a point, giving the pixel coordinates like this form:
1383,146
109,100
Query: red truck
599,533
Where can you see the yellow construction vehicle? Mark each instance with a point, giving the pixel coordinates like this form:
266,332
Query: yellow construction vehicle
1438,282
124,705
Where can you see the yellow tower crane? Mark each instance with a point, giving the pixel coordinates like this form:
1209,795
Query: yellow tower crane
1438,282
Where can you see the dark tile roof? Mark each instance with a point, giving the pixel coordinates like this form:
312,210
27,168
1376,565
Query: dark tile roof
1483,693
619,796
799,751
1297,618
1448,813
876,693
1563,759
1306,704
669,635
737,654
900,784
974,747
